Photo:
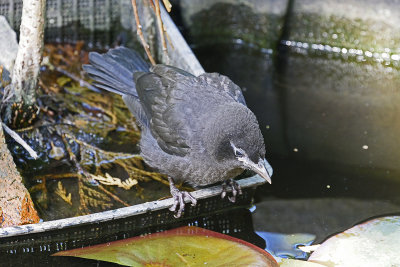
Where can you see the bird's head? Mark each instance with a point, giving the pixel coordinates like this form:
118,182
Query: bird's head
239,142
255,161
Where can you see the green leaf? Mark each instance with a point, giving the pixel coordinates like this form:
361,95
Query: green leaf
185,246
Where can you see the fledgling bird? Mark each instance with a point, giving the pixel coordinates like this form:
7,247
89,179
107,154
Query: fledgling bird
194,129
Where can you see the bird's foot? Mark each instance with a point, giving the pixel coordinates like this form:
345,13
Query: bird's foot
179,198
236,190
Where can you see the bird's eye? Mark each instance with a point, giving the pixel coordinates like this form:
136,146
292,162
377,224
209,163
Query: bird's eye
238,153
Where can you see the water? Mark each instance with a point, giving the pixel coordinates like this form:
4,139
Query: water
330,127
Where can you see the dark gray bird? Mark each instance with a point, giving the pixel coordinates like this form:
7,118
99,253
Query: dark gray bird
194,129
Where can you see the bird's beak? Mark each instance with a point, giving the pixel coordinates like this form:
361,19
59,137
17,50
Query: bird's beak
264,169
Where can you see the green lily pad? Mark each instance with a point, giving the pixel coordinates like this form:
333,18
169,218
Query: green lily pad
185,246
373,243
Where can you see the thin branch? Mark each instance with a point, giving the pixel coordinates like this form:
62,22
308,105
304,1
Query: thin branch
62,192
56,176
20,141
107,179
169,40
112,195
82,173
160,26
3,83
140,33
167,5
74,77
72,157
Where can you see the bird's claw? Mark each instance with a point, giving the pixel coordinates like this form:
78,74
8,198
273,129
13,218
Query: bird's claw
236,190
179,198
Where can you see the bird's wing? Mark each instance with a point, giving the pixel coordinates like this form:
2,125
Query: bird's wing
162,93
224,85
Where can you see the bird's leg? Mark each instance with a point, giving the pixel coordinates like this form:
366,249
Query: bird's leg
235,189
179,198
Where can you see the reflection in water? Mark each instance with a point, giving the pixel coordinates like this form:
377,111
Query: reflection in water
287,246
386,57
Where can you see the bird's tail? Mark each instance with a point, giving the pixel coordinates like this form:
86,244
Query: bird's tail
113,71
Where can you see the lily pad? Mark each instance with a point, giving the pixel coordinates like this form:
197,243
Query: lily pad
373,243
184,246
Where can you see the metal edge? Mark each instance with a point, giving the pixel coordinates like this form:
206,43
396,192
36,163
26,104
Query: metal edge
119,213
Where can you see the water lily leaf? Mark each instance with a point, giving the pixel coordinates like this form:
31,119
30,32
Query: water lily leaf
373,243
184,246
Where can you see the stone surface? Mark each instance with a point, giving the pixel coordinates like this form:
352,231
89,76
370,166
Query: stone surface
189,7
386,11
8,44
367,24
254,22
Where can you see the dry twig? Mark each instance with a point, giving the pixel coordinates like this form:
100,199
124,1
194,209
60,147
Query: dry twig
84,174
20,141
109,180
160,26
113,196
140,33
167,5
62,192
163,34
46,62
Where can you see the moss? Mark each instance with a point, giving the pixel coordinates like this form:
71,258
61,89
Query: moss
340,31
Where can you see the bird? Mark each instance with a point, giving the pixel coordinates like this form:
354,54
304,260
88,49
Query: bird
194,129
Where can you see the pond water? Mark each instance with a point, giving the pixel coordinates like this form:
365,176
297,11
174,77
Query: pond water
329,129
323,81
